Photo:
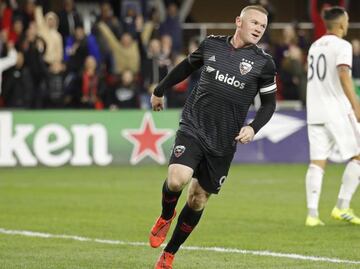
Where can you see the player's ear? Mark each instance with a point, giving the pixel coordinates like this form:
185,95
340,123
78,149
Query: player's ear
343,23
342,26
238,21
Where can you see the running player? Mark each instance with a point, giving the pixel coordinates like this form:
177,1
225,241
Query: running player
212,121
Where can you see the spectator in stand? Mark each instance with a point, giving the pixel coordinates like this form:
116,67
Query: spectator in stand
176,96
303,39
78,47
166,50
27,11
292,74
11,21
86,90
16,31
128,21
107,17
151,27
124,91
33,48
18,86
172,27
287,39
152,69
69,19
6,15
125,51
47,29
76,50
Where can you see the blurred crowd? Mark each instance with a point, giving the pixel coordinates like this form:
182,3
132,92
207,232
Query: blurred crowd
50,60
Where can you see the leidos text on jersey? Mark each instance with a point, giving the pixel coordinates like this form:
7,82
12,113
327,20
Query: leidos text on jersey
229,80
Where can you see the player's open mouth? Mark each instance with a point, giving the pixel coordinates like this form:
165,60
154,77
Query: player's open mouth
255,35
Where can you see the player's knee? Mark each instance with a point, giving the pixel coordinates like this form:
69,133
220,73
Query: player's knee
178,178
174,184
197,201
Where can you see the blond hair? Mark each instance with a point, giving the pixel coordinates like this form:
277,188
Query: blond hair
254,7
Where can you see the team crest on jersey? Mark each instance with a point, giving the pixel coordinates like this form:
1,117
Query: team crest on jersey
179,150
245,66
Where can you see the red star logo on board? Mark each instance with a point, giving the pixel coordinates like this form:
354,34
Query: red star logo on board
147,140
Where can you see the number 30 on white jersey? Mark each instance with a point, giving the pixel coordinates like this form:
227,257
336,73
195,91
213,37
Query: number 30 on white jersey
326,101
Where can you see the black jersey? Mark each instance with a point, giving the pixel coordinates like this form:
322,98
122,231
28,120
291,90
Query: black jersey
216,109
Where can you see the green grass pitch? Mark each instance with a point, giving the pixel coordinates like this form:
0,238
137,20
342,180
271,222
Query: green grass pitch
260,207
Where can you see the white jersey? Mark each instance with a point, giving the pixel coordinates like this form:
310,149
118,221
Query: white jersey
326,100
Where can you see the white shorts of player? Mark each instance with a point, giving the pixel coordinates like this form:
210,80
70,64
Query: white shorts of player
337,141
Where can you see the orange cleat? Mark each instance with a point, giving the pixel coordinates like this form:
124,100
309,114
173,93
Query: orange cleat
159,231
165,261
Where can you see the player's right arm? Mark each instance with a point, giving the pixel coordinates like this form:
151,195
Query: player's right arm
348,88
180,72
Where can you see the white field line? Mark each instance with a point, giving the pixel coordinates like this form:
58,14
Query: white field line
210,249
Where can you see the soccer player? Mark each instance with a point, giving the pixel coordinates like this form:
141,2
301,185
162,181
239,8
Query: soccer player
333,113
212,121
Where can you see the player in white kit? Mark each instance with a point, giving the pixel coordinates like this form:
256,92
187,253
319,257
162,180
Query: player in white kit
333,113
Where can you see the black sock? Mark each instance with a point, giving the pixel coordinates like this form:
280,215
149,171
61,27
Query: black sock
187,221
169,201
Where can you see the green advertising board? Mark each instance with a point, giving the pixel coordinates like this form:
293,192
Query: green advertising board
81,138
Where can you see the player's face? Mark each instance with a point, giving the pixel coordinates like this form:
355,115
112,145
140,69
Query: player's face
252,25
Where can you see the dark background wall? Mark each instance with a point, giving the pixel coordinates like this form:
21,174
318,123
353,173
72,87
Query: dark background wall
285,11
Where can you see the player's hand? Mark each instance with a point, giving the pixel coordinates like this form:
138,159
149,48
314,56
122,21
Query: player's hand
157,103
246,135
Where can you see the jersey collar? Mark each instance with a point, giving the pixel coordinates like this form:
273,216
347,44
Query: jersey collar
250,46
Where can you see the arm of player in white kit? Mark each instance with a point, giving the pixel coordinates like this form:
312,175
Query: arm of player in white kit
348,87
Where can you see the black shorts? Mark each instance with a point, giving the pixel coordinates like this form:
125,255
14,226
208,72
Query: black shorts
211,171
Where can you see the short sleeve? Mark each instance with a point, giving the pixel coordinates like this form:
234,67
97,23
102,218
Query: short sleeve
267,83
196,59
345,55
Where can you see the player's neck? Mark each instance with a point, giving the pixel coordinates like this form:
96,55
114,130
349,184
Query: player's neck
336,32
237,42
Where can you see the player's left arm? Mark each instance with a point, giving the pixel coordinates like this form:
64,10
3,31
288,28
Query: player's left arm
267,91
180,72
343,62
348,88
268,104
